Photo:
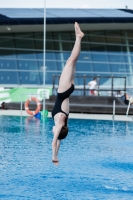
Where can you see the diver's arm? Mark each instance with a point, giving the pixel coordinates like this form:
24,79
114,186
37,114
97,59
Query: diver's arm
56,143
58,146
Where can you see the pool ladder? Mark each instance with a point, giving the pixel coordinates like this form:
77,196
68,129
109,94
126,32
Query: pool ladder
113,116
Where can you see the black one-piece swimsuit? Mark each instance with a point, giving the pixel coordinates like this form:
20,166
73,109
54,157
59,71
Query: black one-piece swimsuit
59,99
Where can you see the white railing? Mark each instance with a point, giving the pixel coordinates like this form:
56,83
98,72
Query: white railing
128,110
113,117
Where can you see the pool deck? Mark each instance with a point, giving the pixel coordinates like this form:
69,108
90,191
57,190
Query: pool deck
72,115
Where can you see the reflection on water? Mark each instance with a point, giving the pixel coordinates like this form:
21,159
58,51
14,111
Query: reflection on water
96,160
32,122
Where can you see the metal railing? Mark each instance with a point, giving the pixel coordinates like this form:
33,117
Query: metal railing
84,77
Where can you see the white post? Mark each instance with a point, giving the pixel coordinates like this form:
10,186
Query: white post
21,107
21,103
128,109
44,52
113,109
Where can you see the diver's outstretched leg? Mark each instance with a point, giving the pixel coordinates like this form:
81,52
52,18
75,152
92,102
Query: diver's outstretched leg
67,76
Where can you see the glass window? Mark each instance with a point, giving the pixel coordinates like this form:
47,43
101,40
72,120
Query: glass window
8,64
123,38
96,33
85,38
67,46
50,56
51,65
114,48
55,65
65,36
39,55
65,55
6,42
49,77
85,67
119,68
24,54
116,57
131,51
29,77
97,38
61,58
123,49
130,41
38,44
79,79
60,66
39,35
85,46
127,57
38,39
19,35
85,56
132,59
24,41
129,33
129,79
49,36
102,52
40,65
58,55
7,53
101,67
47,71
97,47
99,57
105,81
41,75
116,34
89,76
8,77
50,45
119,82
113,40
55,35
27,65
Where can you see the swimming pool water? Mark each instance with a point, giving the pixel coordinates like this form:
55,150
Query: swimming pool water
96,160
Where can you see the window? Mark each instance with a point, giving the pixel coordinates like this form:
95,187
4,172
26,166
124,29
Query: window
9,77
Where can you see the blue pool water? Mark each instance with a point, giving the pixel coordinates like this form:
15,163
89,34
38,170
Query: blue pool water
96,160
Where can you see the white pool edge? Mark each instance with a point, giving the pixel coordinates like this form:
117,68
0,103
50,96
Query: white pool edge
72,115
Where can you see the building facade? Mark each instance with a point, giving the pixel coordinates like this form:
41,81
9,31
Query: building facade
107,48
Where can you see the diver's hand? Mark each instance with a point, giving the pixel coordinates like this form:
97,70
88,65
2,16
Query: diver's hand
55,161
